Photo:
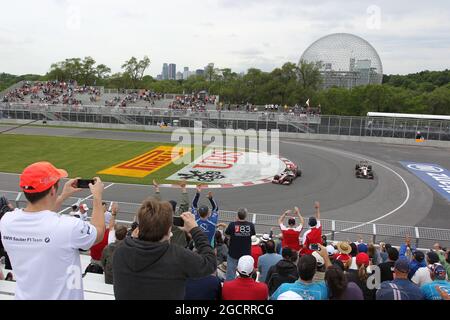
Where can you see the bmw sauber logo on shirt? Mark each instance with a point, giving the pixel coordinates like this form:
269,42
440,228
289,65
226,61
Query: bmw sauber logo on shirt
433,175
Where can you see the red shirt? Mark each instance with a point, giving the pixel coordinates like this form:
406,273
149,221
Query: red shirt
341,256
97,250
312,236
256,252
244,289
291,237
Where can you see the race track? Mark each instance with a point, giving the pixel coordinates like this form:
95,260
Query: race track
394,197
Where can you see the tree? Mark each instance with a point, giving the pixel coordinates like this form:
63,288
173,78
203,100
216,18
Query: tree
210,72
309,75
87,71
102,71
135,69
83,71
438,101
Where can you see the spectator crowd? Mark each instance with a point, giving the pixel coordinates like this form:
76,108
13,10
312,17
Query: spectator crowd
192,102
51,92
179,251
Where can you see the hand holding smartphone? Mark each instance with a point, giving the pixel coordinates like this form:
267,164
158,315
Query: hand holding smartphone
178,222
84,183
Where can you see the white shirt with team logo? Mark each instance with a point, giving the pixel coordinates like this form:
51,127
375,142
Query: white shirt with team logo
44,251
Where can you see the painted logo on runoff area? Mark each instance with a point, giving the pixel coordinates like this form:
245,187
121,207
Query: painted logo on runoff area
433,175
230,167
425,168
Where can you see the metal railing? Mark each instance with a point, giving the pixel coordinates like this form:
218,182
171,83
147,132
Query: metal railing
313,124
336,230
12,109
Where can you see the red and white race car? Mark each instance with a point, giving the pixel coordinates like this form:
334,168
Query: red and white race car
288,175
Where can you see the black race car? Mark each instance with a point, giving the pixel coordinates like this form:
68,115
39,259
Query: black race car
364,170
288,175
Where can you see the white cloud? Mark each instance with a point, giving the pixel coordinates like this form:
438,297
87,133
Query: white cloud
413,35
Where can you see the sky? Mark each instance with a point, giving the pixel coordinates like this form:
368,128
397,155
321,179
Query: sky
410,36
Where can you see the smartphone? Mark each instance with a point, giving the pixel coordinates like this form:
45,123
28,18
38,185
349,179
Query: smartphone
178,222
84,184
314,246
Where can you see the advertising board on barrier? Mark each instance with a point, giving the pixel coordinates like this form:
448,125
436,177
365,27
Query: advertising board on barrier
230,167
433,175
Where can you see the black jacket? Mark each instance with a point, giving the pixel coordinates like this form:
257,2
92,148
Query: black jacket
284,271
158,270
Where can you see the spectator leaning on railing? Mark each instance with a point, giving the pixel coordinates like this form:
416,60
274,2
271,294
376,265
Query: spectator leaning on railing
44,246
147,266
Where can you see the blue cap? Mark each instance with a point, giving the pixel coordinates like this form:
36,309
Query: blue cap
438,271
402,265
362,247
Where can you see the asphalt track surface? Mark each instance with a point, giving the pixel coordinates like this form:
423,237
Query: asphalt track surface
394,197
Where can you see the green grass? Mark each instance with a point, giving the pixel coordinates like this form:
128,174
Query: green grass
79,156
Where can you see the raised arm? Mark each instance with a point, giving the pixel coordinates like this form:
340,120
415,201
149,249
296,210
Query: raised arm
68,190
114,211
317,207
214,205
157,191
184,202
204,261
197,196
324,254
281,218
297,212
98,216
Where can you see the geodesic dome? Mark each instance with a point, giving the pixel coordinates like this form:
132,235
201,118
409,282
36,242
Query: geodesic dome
345,60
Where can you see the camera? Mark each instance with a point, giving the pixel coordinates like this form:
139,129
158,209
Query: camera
84,184
178,222
4,206
314,247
